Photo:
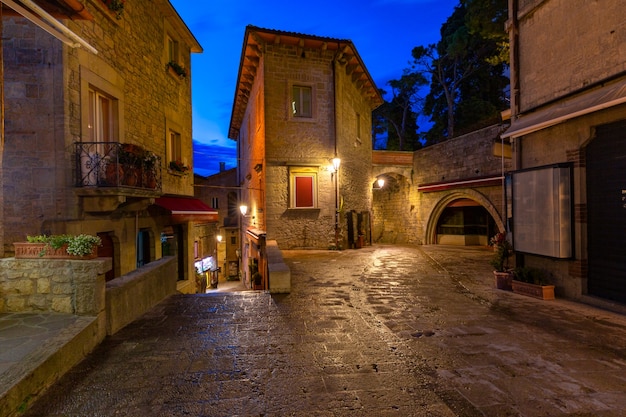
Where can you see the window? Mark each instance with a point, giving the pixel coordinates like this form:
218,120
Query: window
172,50
102,117
214,202
303,188
174,146
302,101
358,126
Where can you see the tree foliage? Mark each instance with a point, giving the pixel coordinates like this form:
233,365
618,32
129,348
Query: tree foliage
467,74
398,117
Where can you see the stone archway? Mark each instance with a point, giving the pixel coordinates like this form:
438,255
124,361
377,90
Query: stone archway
394,219
430,237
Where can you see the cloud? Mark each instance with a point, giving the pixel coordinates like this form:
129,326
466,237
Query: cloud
207,156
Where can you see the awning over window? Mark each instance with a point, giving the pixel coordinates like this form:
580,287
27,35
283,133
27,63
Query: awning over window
596,100
187,209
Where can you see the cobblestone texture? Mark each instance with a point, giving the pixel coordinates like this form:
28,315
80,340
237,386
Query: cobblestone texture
381,331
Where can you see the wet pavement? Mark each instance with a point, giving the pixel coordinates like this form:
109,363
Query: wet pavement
380,331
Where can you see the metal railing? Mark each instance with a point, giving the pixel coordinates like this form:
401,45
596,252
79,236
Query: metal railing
114,164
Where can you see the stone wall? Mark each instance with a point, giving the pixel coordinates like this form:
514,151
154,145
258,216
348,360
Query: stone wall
50,285
403,214
566,45
131,295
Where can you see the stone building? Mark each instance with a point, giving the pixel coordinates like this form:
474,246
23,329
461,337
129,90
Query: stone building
221,192
450,193
97,130
300,102
568,109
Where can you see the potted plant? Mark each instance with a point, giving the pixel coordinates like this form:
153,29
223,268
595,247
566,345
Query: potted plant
500,261
116,6
177,68
130,156
58,246
179,166
532,282
150,162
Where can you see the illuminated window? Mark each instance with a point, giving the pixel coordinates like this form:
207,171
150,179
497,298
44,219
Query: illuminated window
303,187
302,101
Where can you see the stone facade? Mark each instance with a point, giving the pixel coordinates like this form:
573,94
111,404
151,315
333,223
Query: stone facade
276,146
420,185
568,66
49,90
220,191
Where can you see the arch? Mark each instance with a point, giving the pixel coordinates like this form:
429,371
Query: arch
430,237
393,215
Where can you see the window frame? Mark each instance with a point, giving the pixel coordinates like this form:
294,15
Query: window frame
303,172
174,146
292,107
112,89
172,48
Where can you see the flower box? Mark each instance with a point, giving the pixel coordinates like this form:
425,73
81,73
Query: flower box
34,250
542,292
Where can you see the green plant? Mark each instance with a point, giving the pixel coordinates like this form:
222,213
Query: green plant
529,275
79,245
130,154
177,68
116,6
150,159
179,166
503,251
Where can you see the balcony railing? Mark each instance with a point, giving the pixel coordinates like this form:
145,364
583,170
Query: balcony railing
113,164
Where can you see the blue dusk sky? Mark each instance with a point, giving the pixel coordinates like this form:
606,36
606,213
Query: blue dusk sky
383,31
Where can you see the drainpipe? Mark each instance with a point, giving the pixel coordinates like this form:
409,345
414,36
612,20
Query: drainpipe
515,81
335,128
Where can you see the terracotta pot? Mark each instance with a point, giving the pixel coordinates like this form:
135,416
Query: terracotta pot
114,173
503,280
28,250
543,292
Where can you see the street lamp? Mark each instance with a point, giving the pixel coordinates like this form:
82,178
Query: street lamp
243,209
381,182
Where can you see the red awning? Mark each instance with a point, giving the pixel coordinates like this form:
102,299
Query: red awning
187,209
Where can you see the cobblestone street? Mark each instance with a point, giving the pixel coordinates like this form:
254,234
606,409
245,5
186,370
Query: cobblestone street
381,331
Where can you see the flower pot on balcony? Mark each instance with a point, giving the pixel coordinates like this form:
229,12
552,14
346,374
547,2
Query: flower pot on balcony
114,173
131,176
151,181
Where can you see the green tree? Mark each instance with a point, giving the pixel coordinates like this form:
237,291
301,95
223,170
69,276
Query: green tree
466,69
398,117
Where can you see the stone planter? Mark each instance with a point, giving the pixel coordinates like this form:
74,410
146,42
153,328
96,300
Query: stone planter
503,280
28,250
542,292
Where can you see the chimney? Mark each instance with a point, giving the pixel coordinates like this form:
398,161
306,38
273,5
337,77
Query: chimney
222,166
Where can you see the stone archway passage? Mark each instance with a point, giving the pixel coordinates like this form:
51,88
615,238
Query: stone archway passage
464,222
462,195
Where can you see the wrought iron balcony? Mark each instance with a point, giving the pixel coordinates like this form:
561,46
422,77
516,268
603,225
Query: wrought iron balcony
119,165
